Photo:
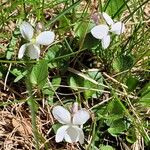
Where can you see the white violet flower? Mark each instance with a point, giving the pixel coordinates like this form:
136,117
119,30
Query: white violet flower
71,130
33,47
102,31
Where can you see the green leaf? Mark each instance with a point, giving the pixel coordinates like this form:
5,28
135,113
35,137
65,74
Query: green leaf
90,42
122,63
132,83
81,28
90,87
56,127
1,75
56,51
39,73
62,13
131,135
112,6
64,24
18,73
114,108
75,82
117,127
145,100
106,147
51,54
50,88
12,45
97,76
56,82
145,95
145,89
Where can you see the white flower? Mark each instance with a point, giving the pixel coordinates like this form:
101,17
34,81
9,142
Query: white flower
71,130
102,31
33,47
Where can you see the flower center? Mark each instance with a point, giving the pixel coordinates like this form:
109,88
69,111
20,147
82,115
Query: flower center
33,40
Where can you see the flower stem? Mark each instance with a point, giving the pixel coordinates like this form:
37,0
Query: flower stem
33,106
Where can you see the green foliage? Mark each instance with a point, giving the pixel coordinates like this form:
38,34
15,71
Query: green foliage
81,28
106,147
115,119
131,135
126,60
12,46
64,24
19,74
96,75
53,54
145,95
50,88
132,83
39,73
91,89
56,127
114,6
117,127
90,42
122,62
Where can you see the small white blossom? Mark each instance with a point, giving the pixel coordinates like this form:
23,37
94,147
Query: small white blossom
33,47
71,130
102,31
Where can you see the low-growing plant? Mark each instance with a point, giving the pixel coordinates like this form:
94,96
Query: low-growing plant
82,63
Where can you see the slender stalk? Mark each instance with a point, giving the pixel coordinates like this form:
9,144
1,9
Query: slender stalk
32,105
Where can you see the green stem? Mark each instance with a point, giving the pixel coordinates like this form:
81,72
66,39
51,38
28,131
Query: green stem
32,105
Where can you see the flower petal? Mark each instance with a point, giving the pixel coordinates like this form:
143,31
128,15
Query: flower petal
80,117
33,51
61,114
45,38
81,136
72,134
106,41
107,18
100,31
22,50
26,30
118,28
60,134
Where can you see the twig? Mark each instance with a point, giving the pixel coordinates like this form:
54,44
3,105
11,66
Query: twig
101,103
114,80
85,77
7,76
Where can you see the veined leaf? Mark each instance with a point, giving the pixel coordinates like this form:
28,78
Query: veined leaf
113,6
39,73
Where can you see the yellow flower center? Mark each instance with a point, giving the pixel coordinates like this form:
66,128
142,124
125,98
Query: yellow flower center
33,40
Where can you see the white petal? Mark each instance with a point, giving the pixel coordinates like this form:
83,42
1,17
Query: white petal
100,31
81,136
33,51
61,114
105,41
60,134
72,134
45,38
118,28
26,30
80,117
22,50
107,18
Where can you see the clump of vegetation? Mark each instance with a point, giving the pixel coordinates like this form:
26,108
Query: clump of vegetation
74,74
